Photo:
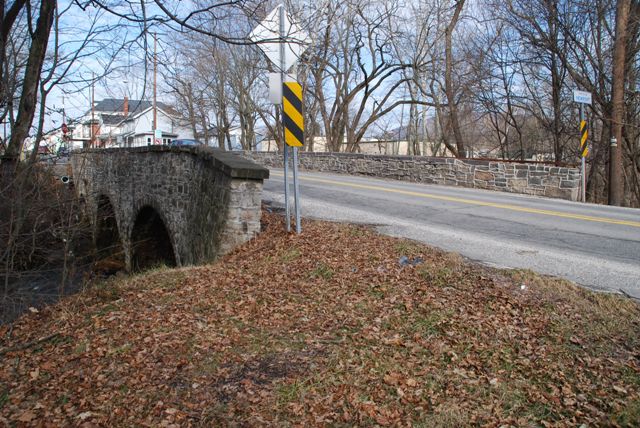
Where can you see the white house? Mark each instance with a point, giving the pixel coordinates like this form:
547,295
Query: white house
127,123
136,130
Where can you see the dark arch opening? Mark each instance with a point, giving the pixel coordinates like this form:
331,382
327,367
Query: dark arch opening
108,244
151,245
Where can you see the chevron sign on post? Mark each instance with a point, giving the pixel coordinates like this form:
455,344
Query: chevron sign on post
583,98
283,41
293,119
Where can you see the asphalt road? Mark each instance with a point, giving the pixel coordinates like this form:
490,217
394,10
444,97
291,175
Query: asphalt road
592,245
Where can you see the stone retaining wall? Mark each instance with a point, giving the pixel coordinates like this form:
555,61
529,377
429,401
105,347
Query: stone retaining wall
530,179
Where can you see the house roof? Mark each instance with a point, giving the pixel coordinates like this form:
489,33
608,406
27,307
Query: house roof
169,111
112,119
117,104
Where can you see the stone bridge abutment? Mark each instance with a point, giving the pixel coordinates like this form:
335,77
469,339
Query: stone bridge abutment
170,205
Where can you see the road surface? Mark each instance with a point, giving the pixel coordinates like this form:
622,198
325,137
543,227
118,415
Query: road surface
593,245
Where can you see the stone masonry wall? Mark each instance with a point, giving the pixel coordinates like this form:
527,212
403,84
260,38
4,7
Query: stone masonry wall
208,200
530,179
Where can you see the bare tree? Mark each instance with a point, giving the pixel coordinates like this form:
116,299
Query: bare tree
448,78
39,36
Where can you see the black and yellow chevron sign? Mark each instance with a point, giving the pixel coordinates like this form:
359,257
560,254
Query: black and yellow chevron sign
584,134
293,121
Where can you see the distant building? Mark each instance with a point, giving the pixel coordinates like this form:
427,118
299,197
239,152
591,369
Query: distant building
50,143
212,139
136,129
128,123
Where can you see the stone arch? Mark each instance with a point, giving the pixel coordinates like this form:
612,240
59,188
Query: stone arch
151,242
107,233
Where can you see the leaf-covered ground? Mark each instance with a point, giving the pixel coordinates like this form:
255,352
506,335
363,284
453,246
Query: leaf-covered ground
337,327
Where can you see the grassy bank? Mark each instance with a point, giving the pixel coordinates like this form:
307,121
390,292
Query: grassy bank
336,327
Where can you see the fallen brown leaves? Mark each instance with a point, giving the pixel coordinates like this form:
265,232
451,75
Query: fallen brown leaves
326,328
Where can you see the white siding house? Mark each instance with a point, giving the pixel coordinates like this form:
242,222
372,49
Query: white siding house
128,123
136,130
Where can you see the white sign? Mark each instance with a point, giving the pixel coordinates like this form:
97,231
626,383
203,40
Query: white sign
582,97
275,86
267,36
158,136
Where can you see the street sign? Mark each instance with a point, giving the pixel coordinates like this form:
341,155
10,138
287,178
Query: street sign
292,108
158,136
267,36
582,97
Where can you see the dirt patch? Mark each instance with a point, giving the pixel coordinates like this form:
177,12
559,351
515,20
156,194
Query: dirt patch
257,373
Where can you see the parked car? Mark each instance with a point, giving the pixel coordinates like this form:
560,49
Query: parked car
186,142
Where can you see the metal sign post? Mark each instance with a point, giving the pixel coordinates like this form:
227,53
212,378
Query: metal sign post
293,121
284,145
583,98
296,189
283,41
285,148
584,150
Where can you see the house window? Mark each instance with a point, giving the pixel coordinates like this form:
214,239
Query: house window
148,140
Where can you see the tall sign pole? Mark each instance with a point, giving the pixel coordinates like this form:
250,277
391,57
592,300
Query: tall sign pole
584,150
296,189
285,147
293,121
283,41
583,98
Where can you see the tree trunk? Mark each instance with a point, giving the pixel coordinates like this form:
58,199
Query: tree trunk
556,93
8,19
33,158
191,112
449,91
616,184
29,96
556,82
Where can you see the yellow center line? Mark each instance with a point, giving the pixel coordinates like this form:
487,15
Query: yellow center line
472,202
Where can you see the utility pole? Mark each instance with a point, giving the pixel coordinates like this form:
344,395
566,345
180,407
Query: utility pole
155,77
93,102
616,182
64,123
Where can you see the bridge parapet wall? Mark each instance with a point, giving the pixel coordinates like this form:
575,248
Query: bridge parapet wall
208,200
530,179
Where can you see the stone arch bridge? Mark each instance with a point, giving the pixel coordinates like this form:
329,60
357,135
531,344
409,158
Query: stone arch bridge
172,205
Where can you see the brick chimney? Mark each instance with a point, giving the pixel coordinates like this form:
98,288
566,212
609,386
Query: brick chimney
126,105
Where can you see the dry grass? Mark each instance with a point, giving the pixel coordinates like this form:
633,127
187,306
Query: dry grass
327,329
